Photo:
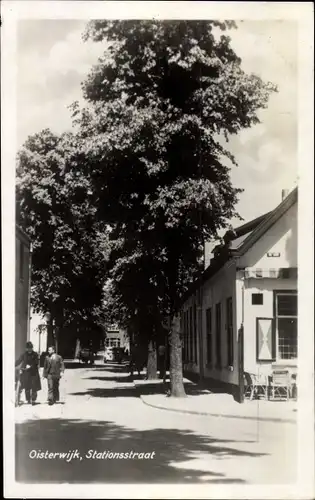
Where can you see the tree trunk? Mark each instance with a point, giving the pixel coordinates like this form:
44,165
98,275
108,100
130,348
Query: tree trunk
77,349
152,361
50,333
176,367
57,339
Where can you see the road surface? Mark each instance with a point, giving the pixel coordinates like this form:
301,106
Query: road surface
107,435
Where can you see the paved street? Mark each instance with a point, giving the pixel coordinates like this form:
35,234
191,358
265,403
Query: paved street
101,411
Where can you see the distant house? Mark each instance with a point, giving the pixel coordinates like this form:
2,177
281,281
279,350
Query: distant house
242,314
116,337
22,289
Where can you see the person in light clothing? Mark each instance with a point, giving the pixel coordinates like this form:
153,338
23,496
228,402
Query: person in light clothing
53,371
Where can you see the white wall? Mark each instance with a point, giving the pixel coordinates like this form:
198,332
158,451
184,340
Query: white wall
280,238
217,290
39,340
266,287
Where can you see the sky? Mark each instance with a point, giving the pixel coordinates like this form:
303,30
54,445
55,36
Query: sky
53,61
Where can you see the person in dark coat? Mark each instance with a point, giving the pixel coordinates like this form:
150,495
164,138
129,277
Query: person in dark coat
28,374
138,360
53,371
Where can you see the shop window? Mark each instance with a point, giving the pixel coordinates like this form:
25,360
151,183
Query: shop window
286,324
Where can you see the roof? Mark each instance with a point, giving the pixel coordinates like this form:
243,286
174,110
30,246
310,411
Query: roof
269,220
242,232
239,240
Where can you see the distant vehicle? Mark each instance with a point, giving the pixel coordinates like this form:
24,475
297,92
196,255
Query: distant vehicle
109,354
118,353
86,355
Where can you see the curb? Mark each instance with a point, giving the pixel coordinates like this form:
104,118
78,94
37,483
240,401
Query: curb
220,415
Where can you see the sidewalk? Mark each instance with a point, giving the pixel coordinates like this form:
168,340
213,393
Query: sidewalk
200,401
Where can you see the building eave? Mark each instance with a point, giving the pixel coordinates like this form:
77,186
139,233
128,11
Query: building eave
212,270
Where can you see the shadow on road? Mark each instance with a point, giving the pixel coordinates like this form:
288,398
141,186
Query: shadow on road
144,389
172,447
73,365
98,366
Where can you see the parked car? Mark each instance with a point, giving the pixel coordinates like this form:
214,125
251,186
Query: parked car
86,355
118,353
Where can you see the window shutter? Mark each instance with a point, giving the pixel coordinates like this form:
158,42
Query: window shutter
265,339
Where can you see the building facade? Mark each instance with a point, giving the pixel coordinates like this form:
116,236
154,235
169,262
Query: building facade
39,332
116,337
22,289
241,316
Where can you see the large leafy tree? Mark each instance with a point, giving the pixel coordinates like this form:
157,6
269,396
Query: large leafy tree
69,248
136,308
163,99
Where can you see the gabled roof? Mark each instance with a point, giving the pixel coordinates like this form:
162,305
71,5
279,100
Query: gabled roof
242,232
239,240
266,222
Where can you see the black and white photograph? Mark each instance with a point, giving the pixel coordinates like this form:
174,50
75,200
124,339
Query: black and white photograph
157,243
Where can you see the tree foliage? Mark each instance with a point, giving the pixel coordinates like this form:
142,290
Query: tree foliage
162,97
163,100
150,160
69,249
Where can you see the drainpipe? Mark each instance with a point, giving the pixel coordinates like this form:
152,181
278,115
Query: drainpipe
241,345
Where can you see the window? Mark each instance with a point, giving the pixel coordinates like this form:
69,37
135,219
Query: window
188,335
218,335
184,335
112,342
21,261
286,304
286,324
257,299
187,341
191,339
195,334
209,335
229,325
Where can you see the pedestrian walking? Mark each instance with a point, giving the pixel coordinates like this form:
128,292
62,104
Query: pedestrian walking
53,371
28,375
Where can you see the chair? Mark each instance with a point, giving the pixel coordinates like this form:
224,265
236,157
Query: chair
281,384
254,385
